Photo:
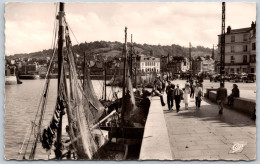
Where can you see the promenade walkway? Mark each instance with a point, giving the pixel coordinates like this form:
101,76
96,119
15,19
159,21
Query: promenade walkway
203,134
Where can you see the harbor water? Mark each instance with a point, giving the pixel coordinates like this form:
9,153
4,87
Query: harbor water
21,103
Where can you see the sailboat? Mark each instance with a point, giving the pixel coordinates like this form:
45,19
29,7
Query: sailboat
91,131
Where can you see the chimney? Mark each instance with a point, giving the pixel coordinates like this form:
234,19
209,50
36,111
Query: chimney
252,25
228,30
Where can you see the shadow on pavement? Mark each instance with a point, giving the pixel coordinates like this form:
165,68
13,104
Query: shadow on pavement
209,112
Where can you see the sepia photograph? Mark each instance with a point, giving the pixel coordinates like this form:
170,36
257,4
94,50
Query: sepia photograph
120,81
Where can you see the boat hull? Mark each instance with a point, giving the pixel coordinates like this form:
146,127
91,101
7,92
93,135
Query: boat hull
10,80
29,77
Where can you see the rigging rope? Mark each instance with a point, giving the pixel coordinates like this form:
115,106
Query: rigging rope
45,87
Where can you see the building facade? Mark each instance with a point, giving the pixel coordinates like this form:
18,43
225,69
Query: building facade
240,49
178,64
148,63
202,64
163,63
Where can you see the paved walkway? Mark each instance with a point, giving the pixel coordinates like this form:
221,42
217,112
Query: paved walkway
203,134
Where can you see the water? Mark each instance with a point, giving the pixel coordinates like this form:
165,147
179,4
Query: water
21,102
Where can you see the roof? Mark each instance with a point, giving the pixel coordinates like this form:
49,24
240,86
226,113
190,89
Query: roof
239,31
149,58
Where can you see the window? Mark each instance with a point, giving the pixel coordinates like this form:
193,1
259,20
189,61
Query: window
232,70
232,59
232,49
244,58
245,37
237,70
233,38
244,48
252,59
253,46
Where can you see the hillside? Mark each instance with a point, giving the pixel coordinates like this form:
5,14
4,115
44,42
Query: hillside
114,49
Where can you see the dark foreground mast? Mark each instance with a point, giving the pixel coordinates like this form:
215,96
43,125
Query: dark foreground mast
124,80
61,40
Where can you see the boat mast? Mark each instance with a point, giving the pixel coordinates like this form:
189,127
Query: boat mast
61,39
131,58
84,70
124,81
105,82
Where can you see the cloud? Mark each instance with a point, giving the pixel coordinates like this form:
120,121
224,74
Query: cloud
29,26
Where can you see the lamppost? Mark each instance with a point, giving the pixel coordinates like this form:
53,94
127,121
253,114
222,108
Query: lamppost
222,48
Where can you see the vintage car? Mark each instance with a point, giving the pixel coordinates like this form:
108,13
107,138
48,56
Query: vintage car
239,77
215,78
250,78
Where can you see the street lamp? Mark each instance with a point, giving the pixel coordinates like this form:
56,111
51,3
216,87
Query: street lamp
222,48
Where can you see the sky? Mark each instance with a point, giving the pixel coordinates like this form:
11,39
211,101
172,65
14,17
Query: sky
29,26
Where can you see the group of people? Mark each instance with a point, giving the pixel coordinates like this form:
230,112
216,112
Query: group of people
191,90
222,96
177,94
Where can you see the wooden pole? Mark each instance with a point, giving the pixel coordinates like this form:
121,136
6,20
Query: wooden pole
222,48
60,65
105,83
124,80
131,58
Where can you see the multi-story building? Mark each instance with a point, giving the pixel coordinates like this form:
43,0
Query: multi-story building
148,63
239,50
178,64
252,47
164,60
202,64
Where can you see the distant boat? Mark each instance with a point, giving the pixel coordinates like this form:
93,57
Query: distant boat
29,77
10,80
50,76
10,77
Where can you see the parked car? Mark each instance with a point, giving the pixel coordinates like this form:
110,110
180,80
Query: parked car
215,78
240,77
232,76
251,77
227,78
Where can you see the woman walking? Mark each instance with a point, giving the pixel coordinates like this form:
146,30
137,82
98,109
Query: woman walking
192,87
186,95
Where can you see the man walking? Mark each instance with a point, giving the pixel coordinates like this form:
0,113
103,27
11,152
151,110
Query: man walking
169,92
198,94
177,97
221,97
157,90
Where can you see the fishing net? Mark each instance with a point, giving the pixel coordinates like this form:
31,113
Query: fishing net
78,115
94,104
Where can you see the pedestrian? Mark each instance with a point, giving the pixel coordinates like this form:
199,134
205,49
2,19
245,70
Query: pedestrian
158,84
235,93
186,95
221,97
169,92
192,87
198,94
163,86
157,90
178,94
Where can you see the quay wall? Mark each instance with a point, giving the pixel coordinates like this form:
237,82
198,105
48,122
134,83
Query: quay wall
244,105
155,144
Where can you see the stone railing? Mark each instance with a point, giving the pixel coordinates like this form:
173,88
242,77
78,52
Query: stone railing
244,105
